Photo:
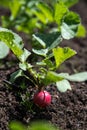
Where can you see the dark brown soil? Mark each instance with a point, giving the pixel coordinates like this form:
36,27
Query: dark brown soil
67,110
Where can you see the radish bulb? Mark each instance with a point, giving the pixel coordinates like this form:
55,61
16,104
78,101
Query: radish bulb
42,98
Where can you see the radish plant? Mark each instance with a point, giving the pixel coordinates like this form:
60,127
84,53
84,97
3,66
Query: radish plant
42,72
27,15
47,53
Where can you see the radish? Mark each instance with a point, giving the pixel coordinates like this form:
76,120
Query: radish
42,98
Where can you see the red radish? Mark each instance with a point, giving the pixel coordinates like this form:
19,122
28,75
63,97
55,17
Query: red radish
42,98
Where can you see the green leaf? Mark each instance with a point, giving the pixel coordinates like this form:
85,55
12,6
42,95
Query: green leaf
41,125
51,77
55,43
14,6
25,66
42,52
49,40
50,2
49,63
46,11
63,85
70,25
60,11
16,126
70,3
72,18
13,41
15,75
40,16
5,21
62,54
78,77
81,31
4,50
25,55
19,74
28,26
38,125
40,39
67,32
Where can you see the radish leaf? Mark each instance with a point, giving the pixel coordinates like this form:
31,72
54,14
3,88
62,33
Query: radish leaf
70,25
63,85
4,50
62,54
78,77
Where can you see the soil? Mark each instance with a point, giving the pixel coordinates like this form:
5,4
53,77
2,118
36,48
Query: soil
68,111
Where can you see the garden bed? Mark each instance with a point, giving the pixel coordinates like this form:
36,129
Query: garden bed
67,111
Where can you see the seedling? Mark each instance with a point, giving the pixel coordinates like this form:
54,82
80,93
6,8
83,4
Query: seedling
27,16
48,56
43,72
